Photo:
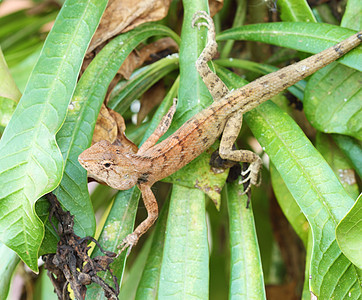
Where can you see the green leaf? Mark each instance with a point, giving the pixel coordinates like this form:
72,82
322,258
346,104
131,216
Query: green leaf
132,278
307,37
7,107
239,20
352,15
193,94
9,93
295,10
330,106
185,261
289,206
306,295
22,70
51,237
8,88
27,28
352,148
44,289
31,163
317,191
149,282
348,233
140,82
118,225
246,279
338,162
9,261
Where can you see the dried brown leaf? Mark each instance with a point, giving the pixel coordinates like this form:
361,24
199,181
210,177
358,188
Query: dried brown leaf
149,52
215,6
106,127
124,15
122,140
110,126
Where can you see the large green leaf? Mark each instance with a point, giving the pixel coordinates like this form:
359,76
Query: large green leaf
246,279
133,277
307,37
148,285
348,234
30,160
330,106
317,191
185,261
289,206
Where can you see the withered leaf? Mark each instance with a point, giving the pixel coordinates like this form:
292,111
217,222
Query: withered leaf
106,127
124,15
137,58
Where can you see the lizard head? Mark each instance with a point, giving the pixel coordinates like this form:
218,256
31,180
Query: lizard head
108,163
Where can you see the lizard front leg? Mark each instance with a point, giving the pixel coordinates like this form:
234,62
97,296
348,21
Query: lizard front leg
230,134
152,210
160,130
218,90
215,85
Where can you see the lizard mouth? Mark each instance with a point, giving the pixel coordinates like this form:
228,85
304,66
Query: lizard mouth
81,160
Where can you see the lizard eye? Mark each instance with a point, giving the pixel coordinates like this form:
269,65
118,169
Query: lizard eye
107,165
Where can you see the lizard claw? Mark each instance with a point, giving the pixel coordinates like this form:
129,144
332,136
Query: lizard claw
199,15
210,49
252,175
128,242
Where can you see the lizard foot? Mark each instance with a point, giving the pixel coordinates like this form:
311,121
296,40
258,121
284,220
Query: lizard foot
210,49
202,15
128,242
252,175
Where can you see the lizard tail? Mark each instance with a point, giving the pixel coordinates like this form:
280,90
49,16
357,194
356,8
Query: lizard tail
269,85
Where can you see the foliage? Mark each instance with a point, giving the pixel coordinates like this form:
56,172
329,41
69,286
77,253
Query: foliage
192,252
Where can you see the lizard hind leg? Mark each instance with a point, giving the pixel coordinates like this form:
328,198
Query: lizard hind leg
214,84
230,134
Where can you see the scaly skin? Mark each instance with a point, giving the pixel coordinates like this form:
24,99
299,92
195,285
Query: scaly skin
121,169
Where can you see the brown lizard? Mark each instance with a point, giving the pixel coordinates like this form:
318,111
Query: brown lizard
121,168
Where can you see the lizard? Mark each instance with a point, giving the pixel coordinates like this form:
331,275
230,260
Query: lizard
122,167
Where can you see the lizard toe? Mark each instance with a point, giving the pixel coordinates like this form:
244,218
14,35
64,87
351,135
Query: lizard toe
201,15
128,242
